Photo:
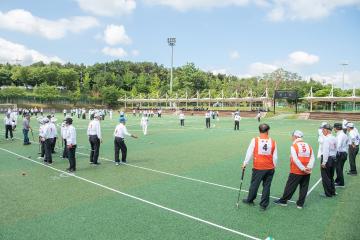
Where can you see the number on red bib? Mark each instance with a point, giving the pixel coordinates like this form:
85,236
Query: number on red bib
265,146
304,149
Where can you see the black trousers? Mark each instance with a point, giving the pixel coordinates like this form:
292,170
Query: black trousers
65,151
119,144
95,148
258,176
182,122
47,146
53,144
352,156
207,122
236,127
295,180
71,155
42,148
341,158
8,129
327,176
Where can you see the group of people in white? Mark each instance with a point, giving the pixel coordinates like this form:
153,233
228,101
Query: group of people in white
147,112
81,113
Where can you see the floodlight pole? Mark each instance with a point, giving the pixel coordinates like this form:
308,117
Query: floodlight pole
343,64
171,41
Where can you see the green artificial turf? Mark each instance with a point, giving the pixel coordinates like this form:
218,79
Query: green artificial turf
48,204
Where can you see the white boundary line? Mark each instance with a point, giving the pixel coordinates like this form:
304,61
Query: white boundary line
173,175
139,199
313,187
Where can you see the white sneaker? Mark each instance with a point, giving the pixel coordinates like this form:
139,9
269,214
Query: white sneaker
117,164
299,207
40,157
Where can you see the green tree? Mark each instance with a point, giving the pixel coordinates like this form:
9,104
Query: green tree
5,76
47,92
110,95
69,78
13,92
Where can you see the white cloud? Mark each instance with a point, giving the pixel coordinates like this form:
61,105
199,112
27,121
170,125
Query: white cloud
183,5
234,55
135,53
259,68
277,10
115,34
10,51
306,9
114,52
108,7
303,58
351,79
23,21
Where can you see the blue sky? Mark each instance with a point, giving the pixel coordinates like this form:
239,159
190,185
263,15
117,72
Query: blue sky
240,37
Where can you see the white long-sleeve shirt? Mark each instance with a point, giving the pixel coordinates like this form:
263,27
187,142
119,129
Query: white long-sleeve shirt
121,131
70,135
45,131
52,130
94,128
8,121
181,116
354,137
63,131
329,148
342,141
250,153
237,118
297,161
320,140
144,121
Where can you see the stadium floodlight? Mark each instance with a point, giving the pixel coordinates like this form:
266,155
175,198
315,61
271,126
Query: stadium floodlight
171,41
343,64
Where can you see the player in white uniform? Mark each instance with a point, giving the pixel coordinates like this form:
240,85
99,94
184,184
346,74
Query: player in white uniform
144,123
320,139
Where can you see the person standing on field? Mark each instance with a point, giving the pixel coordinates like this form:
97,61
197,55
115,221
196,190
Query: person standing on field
144,123
263,150
328,161
341,155
8,127
70,137
354,141
26,129
95,138
237,119
301,164
182,119
119,141
207,119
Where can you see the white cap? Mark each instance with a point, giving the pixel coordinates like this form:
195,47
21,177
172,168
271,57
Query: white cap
45,120
323,124
350,125
298,133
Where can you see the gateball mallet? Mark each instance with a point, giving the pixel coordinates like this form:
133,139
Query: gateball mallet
241,182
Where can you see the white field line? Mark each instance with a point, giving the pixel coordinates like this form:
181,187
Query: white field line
313,187
138,199
171,174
